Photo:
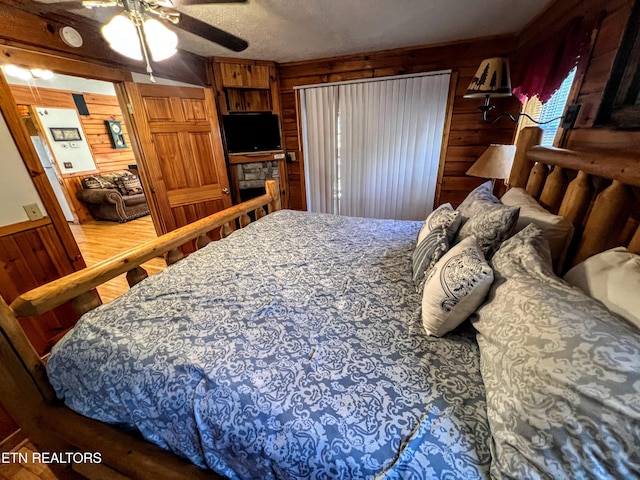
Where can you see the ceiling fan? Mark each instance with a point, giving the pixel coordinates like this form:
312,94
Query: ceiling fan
139,29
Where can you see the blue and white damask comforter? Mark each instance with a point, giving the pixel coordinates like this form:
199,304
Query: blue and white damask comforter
291,349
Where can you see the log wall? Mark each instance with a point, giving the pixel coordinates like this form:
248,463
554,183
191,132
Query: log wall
468,136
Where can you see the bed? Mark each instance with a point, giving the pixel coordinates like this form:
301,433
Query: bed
294,348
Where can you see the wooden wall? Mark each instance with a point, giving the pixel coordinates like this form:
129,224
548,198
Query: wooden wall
468,136
31,254
612,17
101,108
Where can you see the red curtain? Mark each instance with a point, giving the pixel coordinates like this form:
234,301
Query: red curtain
549,63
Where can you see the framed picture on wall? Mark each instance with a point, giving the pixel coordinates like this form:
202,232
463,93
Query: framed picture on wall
65,134
116,135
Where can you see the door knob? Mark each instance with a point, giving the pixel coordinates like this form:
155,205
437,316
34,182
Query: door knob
225,190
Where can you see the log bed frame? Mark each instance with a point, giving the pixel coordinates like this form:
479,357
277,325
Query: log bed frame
596,191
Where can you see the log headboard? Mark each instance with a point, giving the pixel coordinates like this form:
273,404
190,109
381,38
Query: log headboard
597,191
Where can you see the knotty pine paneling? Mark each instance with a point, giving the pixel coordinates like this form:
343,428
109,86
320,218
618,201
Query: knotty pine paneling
101,108
469,135
29,258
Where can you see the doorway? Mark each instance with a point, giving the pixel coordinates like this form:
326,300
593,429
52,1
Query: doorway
67,121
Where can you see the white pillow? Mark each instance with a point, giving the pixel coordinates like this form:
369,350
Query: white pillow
613,278
456,286
443,216
556,229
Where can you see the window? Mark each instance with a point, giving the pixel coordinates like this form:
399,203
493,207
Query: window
551,110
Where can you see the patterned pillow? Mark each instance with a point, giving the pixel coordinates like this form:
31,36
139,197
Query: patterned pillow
484,217
476,200
129,184
427,253
91,183
110,180
455,287
491,225
561,373
443,216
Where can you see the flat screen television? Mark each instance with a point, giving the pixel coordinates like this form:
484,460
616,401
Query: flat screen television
251,132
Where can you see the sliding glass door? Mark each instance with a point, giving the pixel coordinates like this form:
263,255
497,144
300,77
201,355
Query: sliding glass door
372,148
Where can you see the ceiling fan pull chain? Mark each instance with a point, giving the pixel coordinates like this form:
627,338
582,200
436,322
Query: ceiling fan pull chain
143,44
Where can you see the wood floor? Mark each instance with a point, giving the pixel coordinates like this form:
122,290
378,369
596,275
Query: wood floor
25,470
99,240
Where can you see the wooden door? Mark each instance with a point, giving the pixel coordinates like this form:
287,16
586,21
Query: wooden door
180,153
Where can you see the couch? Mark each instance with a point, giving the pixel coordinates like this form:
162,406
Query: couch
116,196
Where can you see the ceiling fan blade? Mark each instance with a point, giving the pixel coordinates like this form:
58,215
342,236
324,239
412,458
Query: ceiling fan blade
211,33
51,7
204,2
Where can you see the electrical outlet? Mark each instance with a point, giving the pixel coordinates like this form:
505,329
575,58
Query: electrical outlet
68,165
33,211
571,115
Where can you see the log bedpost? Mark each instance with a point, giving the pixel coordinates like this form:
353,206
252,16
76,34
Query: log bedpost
225,230
273,190
537,179
554,188
136,276
528,137
634,244
174,255
259,213
203,241
30,362
577,199
244,220
85,302
611,209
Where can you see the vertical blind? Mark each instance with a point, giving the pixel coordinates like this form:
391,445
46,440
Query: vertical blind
372,148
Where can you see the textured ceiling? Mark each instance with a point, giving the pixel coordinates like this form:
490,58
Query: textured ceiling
292,30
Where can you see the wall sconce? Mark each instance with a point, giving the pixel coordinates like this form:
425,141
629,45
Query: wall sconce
492,79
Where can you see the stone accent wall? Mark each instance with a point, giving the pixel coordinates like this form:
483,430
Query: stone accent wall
253,175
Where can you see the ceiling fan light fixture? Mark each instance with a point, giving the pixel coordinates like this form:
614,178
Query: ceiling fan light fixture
42,74
161,41
122,36
17,72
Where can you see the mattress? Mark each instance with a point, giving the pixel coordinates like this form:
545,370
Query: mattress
291,349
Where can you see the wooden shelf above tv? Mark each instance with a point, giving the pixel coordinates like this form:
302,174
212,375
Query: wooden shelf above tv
250,157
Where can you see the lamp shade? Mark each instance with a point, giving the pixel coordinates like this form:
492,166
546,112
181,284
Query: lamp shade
492,79
494,163
161,41
122,36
